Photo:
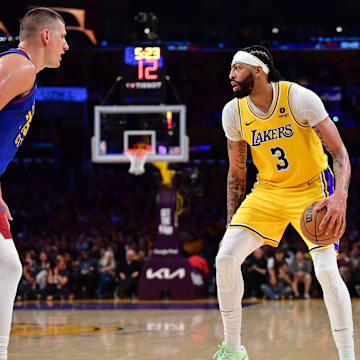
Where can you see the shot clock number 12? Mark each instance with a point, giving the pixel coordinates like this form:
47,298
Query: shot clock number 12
148,55
143,75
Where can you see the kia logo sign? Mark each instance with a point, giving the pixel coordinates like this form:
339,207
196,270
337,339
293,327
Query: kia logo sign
165,274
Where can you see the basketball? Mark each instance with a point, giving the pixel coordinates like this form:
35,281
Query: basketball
310,222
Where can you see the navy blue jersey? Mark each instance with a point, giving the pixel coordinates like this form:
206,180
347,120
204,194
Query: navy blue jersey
15,120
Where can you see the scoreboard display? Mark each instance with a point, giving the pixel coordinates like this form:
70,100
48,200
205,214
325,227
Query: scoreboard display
143,75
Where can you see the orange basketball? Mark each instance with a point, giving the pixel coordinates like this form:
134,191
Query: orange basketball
309,223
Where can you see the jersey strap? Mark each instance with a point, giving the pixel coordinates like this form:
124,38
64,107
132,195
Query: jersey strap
16,51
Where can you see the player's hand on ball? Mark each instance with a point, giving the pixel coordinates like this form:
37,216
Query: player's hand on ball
336,211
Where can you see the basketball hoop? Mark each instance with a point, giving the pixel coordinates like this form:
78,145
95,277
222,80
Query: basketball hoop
137,158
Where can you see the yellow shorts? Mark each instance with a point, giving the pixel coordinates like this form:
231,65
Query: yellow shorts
267,211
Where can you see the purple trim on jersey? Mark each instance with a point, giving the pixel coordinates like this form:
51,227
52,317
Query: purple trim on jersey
329,181
318,247
19,100
254,230
336,245
20,52
16,51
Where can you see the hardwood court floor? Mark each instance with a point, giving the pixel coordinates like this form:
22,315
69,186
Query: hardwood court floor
291,330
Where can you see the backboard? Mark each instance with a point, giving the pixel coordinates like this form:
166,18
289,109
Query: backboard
119,128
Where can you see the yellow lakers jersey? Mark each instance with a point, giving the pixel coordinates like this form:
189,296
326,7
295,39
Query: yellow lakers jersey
286,152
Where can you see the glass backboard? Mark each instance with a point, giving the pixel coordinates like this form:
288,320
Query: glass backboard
119,128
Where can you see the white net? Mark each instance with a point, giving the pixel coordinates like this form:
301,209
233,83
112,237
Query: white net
137,159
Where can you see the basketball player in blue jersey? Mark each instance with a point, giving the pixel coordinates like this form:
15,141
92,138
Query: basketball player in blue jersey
286,127
42,43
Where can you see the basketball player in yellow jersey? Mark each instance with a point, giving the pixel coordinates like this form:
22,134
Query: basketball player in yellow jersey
286,127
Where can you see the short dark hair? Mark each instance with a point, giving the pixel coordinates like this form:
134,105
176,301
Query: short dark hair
262,53
37,19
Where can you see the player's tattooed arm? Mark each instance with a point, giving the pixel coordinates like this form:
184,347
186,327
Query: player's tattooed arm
330,138
336,204
236,180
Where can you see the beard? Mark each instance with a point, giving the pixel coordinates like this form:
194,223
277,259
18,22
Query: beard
246,87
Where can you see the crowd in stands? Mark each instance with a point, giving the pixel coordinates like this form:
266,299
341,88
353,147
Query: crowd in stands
90,240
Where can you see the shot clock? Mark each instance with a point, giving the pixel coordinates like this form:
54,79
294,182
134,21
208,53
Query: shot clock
143,75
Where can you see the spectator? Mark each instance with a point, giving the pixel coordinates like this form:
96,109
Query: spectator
345,266
279,258
85,277
300,269
42,272
356,281
73,223
129,273
279,284
107,275
27,283
58,281
141,257
355,256
255,274
199,262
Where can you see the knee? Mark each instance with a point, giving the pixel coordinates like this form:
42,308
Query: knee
325,276
225,272
328,279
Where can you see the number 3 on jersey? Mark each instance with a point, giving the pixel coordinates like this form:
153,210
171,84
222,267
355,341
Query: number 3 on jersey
279,152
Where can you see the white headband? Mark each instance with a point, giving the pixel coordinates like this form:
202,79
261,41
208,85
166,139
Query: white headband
246,58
